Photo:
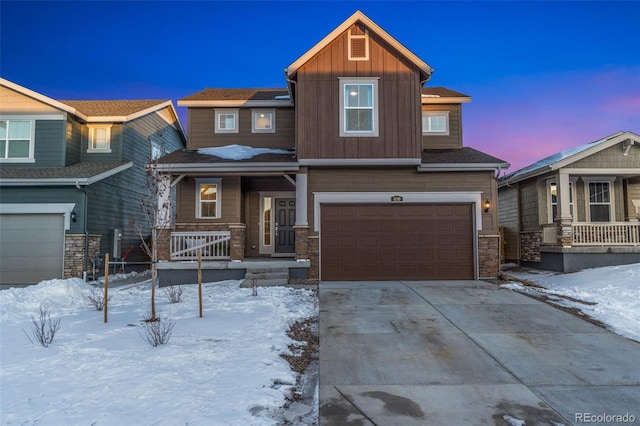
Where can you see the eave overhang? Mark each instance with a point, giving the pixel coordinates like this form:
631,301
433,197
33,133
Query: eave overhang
462,167
237,103
65,181
245,167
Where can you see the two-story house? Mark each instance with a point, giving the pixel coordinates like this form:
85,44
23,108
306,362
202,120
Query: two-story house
353,171
72,176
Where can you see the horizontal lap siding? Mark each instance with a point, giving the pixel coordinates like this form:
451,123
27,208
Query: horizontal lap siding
509,220
399,180
202,130
231,201
454,138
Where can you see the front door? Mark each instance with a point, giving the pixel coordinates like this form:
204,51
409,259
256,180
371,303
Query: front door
285,219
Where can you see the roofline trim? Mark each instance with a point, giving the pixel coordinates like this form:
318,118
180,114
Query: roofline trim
359,162
229,167
359,16
448,167
446,100
236,103
35,95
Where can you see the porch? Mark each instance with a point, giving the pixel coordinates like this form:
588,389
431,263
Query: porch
570,247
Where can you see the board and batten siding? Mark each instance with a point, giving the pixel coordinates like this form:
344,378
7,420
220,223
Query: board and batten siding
400,180
318,104
115,202
454,138
202,130
609,158
509,220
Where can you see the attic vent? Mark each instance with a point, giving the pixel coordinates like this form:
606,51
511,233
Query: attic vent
359,46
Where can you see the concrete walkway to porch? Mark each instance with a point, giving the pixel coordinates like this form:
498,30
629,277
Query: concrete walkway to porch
465,353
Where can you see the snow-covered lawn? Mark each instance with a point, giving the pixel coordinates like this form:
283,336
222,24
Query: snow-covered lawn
222,369
612,293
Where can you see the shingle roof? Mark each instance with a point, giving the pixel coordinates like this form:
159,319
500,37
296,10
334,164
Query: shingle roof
213,94
107,108
188,156
75,171
465,155
442,92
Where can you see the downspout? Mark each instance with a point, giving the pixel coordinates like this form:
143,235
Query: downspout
84,225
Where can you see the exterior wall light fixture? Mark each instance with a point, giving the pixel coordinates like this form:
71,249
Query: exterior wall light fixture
487,206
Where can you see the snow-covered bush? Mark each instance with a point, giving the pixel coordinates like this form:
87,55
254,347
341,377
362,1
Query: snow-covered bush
174,293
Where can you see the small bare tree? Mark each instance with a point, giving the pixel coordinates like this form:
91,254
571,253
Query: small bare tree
43,328
157,211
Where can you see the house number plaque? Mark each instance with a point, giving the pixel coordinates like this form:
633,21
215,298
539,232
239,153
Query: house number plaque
396,198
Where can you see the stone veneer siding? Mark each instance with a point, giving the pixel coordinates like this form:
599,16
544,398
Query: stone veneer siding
238,234
302,242
74,253
488,256
314,257
530,246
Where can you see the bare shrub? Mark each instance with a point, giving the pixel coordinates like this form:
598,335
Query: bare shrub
96,298
174,293
158,331
44,328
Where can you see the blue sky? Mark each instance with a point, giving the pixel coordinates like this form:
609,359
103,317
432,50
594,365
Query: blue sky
543,76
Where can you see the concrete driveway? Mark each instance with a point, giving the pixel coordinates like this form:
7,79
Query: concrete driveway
466,353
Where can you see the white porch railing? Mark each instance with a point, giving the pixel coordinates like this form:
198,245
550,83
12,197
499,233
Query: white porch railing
215,245
606,234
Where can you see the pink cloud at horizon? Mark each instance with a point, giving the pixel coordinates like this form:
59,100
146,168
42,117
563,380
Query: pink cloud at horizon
533,117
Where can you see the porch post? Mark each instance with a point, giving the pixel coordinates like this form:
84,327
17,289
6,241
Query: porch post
563,220
301,197
164,218
302,225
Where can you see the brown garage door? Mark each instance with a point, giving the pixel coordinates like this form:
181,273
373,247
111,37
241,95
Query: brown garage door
396,241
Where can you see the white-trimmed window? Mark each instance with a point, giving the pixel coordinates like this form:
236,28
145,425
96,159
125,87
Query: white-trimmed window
226,120
16,140
435,123
358,49
209,198
600,201
263,120
553,200
358,107
99,138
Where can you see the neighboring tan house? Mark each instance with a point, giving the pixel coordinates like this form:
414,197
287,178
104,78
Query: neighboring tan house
575,209
353,171
71,180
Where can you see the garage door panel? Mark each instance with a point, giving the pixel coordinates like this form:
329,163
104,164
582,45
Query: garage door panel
391,241
31,247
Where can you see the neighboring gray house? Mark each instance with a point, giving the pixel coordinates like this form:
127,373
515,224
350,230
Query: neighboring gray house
576,209
71,179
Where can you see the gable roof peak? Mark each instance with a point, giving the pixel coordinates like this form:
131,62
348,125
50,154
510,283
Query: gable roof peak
358,16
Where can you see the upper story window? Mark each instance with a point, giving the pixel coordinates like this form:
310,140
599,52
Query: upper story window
358,49
226,120
435,123
263,121
99,138
209,198
16,140
358,107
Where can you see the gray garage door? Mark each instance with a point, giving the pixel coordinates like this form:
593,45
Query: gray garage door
31,248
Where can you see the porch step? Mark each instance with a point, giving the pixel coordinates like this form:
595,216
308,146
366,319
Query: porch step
265,276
